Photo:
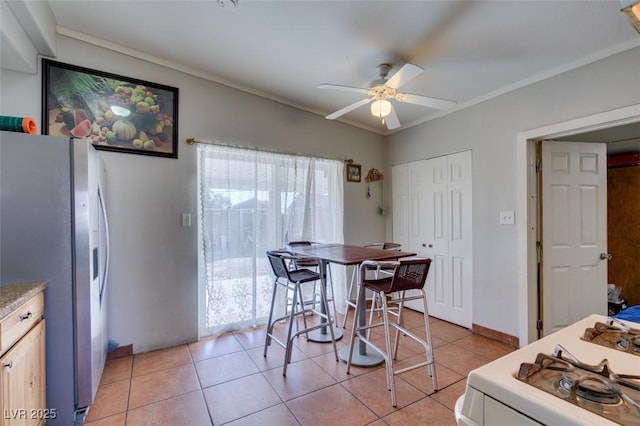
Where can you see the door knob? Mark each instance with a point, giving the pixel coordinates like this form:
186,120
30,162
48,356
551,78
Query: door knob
606,256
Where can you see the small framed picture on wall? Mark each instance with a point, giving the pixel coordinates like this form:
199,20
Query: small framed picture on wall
354,173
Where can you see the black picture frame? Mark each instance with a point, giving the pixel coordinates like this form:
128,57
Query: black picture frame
354,172
117,113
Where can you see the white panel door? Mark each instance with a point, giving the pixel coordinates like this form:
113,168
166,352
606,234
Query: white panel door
417,187
439,193
459,227
400,191
418,227
574,232
435,214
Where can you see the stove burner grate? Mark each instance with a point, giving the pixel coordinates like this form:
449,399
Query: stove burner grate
629,343
615,335
593,387
591,390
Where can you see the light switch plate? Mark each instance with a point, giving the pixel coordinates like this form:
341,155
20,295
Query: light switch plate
507,218
186,220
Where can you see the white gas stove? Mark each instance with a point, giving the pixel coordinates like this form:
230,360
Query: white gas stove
543,383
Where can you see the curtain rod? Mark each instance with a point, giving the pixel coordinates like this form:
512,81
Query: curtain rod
193,141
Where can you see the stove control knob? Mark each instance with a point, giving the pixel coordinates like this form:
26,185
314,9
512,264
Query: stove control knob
606,256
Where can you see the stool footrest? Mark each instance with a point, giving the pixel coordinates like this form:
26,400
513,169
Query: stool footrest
308,329
413,367
278,341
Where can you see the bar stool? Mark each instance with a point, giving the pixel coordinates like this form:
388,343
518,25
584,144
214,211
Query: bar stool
408,274
355,278
311,263
292,281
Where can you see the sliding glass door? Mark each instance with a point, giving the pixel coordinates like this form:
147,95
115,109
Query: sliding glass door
253,201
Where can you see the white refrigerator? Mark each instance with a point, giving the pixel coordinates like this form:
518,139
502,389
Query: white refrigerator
53,227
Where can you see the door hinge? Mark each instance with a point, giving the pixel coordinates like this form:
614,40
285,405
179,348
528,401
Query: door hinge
539,251
539,325
538,166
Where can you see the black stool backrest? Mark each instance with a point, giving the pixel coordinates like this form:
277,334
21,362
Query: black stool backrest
299,243
391,246
385,246
303,262
278,264
410,275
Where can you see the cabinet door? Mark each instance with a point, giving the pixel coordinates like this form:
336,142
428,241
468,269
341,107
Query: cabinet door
22,383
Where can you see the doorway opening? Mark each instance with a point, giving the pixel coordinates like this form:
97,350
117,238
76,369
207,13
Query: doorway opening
528,198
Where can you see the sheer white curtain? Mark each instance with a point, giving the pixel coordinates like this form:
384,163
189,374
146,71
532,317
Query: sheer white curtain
253,201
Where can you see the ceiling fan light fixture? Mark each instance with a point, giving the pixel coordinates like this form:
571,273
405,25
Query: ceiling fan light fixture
631,8
380,108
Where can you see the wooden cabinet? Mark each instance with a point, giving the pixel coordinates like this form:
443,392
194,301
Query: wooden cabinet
22,382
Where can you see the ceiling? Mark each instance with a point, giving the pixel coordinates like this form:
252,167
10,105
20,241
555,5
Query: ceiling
470,50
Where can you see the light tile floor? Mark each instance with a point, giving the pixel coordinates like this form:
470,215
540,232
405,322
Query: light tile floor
226,380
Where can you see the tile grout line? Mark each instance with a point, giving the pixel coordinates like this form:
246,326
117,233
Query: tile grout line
201,389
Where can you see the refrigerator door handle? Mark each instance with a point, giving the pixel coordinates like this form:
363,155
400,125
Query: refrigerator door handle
105,273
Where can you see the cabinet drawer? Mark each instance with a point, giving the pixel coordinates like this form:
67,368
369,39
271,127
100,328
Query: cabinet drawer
15,325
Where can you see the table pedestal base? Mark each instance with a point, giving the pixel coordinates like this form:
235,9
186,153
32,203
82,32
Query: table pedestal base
370,359
319,337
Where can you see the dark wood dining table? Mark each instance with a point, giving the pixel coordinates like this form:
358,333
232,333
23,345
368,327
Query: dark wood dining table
347,255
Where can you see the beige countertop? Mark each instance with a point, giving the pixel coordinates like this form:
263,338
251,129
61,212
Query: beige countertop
12,296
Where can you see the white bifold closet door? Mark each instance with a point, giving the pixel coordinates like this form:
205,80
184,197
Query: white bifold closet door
432,217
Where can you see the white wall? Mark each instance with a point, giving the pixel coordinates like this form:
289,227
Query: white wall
490,130
153,279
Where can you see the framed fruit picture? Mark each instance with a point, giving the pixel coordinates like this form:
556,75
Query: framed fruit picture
116,113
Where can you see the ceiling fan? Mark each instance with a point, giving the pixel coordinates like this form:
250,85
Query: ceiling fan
380,91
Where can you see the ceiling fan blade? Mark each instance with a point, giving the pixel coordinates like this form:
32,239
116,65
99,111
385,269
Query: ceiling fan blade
425,101
348,108
343,88
404,74
392,120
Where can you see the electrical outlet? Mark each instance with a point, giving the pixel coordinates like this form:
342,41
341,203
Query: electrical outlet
186,220
507,218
